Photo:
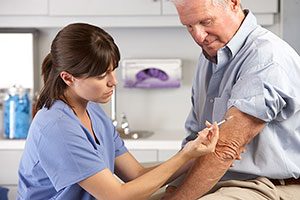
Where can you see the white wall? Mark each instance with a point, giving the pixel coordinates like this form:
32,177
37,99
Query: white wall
290,26
151,109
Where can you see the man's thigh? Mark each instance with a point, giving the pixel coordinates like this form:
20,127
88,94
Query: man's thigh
289,192
259,189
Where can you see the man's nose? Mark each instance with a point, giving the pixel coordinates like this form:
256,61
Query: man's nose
199,34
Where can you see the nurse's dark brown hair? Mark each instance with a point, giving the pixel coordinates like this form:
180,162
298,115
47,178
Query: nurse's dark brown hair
82,50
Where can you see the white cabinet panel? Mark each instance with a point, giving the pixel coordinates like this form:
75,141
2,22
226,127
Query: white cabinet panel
164,155
104,7
145,155
259,6
9,160
23,7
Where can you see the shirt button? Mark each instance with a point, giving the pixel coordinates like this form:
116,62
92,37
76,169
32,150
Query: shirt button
211,100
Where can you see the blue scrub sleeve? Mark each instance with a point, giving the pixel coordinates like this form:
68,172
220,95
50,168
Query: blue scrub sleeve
119,145
66,154
266,94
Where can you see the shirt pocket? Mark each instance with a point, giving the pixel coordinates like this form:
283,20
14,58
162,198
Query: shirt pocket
219,108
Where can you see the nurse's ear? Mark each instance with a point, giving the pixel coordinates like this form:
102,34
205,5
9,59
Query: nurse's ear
67,78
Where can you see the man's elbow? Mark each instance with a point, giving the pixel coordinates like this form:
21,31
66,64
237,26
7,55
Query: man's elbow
227,151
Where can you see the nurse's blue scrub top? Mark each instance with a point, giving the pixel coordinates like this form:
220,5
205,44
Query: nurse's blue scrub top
60,152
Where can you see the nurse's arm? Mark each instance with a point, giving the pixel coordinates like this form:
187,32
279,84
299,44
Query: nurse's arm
128,168
208,169
104,185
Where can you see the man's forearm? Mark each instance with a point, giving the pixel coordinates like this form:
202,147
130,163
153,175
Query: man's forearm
205,173
208,170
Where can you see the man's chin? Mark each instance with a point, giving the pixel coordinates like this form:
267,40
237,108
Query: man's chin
208,54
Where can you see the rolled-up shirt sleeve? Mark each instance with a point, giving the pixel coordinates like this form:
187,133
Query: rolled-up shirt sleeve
267,94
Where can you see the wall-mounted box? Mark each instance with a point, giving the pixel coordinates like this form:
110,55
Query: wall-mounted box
151,73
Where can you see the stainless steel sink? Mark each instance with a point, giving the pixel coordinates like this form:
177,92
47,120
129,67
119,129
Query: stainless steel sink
135,134
124,130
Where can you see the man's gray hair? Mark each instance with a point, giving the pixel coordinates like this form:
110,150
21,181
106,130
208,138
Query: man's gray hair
214,2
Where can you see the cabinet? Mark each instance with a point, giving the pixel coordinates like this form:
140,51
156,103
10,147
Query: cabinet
146,156
164,155
9,160
109,13
258,6
23,7
104,7
263,10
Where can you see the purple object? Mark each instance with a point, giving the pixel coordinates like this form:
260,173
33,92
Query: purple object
152,78
151,73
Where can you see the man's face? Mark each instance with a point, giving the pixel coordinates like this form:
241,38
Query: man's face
211,25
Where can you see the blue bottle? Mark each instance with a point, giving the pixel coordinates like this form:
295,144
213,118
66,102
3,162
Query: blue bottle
17,113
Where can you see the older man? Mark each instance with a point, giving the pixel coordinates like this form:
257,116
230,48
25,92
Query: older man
249,73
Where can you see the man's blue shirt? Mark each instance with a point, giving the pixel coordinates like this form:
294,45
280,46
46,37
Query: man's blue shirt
259,74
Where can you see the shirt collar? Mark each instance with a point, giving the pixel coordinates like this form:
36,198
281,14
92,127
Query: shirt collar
248,25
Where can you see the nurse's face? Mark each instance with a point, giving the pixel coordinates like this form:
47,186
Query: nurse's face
97,89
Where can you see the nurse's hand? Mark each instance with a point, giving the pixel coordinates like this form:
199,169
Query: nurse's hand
205,142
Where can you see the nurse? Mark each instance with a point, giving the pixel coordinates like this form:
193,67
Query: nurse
72,149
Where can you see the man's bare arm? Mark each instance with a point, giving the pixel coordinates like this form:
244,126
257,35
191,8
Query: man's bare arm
208,169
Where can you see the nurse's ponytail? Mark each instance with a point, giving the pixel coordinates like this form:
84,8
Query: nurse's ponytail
49,92
46,67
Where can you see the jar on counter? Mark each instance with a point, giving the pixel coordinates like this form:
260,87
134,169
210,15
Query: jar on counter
17,113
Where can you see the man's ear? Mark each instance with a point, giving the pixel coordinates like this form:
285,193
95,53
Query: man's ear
67,78
235,4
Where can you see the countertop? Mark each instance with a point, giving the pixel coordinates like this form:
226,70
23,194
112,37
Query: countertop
169,140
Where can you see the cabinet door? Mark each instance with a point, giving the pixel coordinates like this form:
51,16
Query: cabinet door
23,7
258,6
168,8
144,156
9,162
164,155
104,7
